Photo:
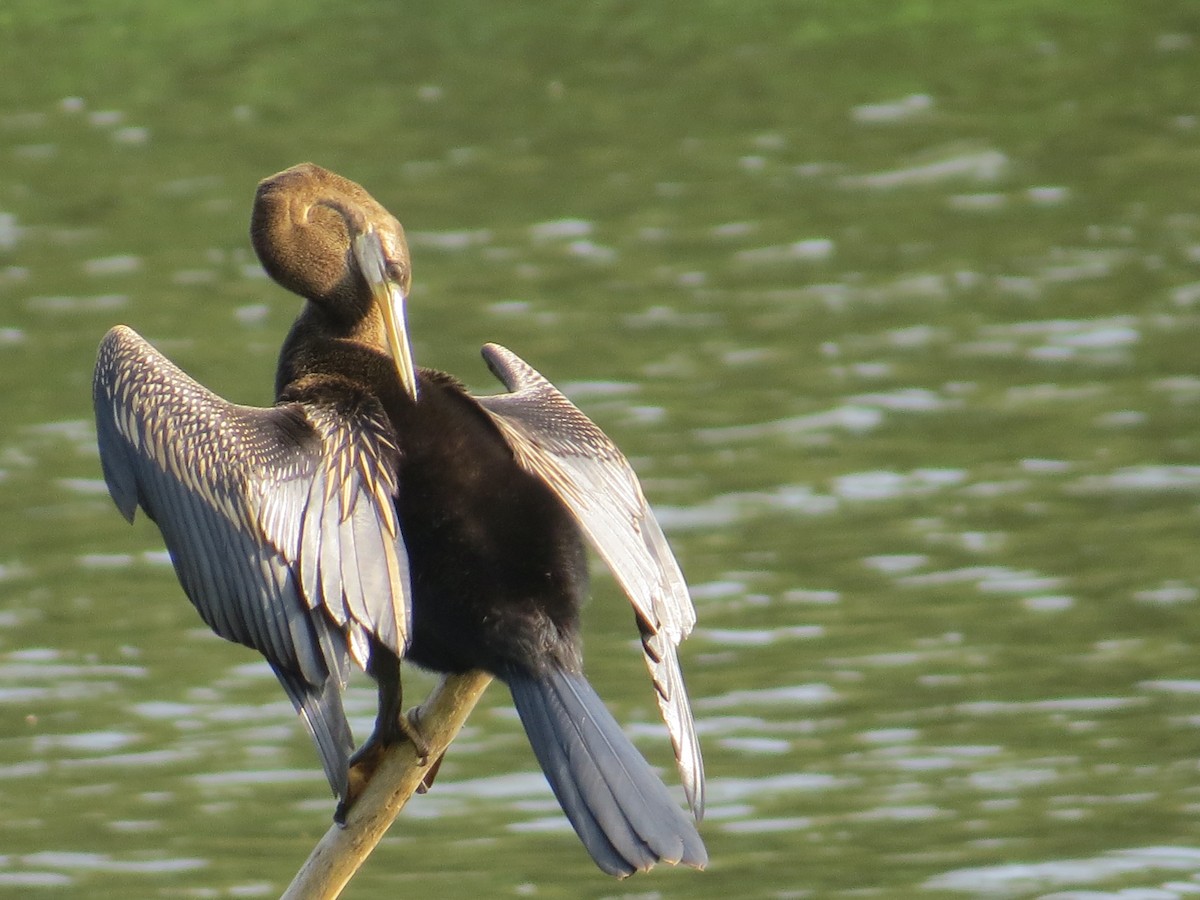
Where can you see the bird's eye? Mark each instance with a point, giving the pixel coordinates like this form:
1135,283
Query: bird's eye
395,271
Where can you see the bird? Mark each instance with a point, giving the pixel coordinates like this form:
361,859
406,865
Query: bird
378,512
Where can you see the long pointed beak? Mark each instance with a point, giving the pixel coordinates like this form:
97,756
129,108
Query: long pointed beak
389,297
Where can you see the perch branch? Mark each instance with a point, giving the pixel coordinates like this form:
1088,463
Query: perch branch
343,849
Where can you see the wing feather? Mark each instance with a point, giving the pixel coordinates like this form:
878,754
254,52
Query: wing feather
551,438
280,522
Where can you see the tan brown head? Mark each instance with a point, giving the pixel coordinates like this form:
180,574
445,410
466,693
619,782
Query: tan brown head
325,238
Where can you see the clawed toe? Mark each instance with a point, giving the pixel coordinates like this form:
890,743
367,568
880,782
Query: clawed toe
366,759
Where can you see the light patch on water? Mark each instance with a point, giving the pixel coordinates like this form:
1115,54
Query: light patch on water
36,654
733,790
106,560
69,305
662,316
35,879
1023,879
592,252
10,572
131,760
238,674
25,669
751,637
851,418
76,431
560,229
194,277
165,710
890,735
510,307
915,337
589,390
993,579
1026,394
553,824
134,826
1048,195
980,165
1046,466
892,111
798,694
978,202
1055,705
255,776
731,508
105,118
1188,385
36,151
886,660
808,250
807,595
23,121
1150,478
768,825
449,241
734,229
37,768
123,264
518,785
896,562
89,741
716,590
1064,339
1018,583
888,485
1170,593
1048,603
915,813
907,400
103,862
1172,685
252,314
1006,781
252,889
973,541
90,487
764,745
1186,294
10,232
1074,264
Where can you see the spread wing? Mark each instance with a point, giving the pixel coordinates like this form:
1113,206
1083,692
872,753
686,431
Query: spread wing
280,522
551,438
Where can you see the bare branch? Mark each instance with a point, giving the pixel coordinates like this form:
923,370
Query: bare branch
343,849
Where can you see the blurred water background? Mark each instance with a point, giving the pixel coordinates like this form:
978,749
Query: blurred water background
895,307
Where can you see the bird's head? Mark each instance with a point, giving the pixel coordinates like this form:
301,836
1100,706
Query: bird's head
325,238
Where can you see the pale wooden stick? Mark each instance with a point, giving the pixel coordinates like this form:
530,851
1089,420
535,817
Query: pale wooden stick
342,850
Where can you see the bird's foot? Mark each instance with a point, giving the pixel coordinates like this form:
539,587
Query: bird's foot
408,727
367,758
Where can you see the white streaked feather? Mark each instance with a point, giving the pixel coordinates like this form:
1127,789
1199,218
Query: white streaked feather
550,437
309,506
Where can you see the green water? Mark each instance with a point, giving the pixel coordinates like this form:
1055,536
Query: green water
894,306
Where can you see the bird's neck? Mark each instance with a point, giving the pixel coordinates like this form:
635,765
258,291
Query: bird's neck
319,344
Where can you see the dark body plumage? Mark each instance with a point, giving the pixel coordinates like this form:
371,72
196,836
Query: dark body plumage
380,512
497,565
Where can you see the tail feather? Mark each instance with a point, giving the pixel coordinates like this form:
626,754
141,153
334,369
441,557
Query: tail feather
553,757
618,806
